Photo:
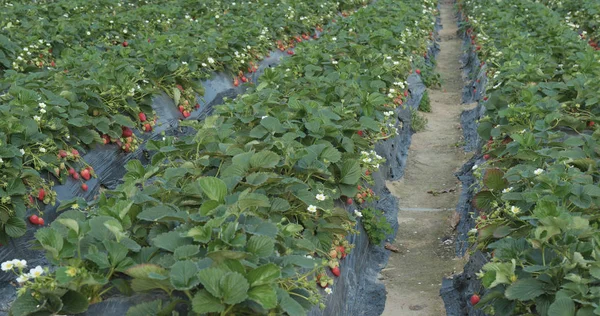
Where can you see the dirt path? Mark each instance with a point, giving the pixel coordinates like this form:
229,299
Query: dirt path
425,238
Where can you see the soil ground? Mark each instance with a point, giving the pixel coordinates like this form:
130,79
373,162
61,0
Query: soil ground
425,238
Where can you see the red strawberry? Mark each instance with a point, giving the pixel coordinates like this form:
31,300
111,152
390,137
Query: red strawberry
127,132
405,93
127,147
148,127
62,153
85,173
53,64
349,201
290,52
142,116
75,176
244,79
485,98
31,200
360,133
180,87
486,156
125,44
105,139
474,299
84,187
236,82
34,219
368,172
72,171
41,194
418,71
75,152
591,123
40,221
186,114
341,249
336,271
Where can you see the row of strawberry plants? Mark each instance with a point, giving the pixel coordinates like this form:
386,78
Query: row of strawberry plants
71,87
581,15
537,206
241,217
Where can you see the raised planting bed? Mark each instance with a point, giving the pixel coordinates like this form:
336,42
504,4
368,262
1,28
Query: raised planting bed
533,192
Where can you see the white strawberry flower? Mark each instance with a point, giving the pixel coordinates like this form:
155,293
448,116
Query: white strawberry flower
20,264
42,149
210,60
42,111
7,265
204,65
538,171
42,105
37,118
23,278
184,63
1,161
36,272
392,90
22,151
321,197
515,210
334,39
507,190
357,213
328,290
312,208
125,31
396,63
335,62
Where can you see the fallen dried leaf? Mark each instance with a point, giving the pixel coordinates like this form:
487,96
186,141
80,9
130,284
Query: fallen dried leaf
391,247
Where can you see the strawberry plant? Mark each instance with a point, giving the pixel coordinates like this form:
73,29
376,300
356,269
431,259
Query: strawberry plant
539,190
234,217
375,224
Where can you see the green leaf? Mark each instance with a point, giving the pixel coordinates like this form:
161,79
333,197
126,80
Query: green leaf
264,274
142,271
170,241
264,295
525,289
261,246
592,190
183,275
234,288
211,280
214,188
502,231
350,172
264,159
186,251
482,201
203,303
289,305
331,154
494,179
15,227
25,305
145,309
562,306
160,212
74,303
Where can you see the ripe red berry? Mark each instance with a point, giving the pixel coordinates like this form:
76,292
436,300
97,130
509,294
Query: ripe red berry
142,116
474,299
244,79
85,173
418,71
127,132
368,172
75,152
349,201
290,52
236,82
486,156
186,114
148,127
41,194
336,271
360,133
84,187
591,123
33,219
40,221
125,44
75,176
62,153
